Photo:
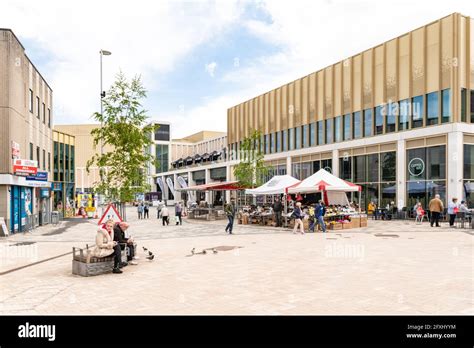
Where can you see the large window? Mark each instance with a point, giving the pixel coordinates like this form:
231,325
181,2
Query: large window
31,106
392,109
44,113
31,151
347,127
272,143
368,124
278,141
337,129
432,108
404,112
44,160
312,134
320,132
472,106
329,130
49,117
426,175
267,144
162,153
375,173
298,137
463,104
284,140
163,132
357,126
445,105
301,170
305,136
469,174
417,112
379,115
291,139
38,107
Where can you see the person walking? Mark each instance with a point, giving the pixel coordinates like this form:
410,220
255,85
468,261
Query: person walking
229,210
178,211
436,207
165,215
453,209
146,210
298,216
277,209
319,211
140,210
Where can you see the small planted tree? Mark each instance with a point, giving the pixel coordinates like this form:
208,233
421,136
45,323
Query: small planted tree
127,137
251,170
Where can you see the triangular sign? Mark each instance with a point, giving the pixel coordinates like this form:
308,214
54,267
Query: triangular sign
110,213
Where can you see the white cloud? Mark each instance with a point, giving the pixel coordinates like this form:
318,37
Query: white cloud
211,68
145,38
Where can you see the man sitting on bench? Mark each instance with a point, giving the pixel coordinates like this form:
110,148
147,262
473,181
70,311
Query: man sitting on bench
105,246
119,237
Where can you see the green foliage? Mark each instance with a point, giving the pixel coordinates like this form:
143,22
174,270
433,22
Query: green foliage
127,137
251,169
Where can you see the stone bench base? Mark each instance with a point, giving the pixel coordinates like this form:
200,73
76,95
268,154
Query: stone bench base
91,269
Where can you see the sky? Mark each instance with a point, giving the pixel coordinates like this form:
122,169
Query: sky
198,58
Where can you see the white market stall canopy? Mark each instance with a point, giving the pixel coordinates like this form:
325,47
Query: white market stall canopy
276,185
321,181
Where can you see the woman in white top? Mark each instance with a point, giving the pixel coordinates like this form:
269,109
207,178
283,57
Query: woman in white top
452,211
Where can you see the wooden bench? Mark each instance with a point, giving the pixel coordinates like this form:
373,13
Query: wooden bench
86,265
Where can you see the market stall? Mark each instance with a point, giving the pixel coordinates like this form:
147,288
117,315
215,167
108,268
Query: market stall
277,185
204,210
340,214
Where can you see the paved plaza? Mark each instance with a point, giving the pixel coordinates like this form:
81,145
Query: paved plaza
393,267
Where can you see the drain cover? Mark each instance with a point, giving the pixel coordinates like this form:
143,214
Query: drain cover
386,235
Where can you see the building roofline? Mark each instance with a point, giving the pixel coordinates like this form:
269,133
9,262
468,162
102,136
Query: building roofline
351,56
24,51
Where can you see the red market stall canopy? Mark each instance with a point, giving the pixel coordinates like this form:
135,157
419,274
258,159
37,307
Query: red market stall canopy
215,186
322,181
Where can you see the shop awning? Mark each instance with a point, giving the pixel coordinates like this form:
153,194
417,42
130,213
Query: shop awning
276,185
214,186
322,180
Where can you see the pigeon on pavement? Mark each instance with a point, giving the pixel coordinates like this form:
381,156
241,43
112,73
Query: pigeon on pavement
150,257
145,249
192,251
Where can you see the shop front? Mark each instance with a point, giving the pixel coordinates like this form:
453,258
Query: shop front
21,203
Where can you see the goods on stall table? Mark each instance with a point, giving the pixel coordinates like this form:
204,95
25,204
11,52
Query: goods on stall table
333,225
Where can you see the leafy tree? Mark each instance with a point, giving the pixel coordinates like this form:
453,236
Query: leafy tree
124,130
251,170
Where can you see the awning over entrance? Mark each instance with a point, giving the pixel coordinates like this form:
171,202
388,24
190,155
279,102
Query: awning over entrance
214,186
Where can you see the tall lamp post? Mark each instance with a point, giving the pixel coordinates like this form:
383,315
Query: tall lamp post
102,95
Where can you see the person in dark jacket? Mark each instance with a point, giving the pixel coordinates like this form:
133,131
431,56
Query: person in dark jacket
229,210
298,216
319,211
277,209
119,237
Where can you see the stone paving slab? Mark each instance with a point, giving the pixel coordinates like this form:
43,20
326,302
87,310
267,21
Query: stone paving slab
423,271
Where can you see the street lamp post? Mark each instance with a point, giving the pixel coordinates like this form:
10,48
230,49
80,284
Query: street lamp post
102,95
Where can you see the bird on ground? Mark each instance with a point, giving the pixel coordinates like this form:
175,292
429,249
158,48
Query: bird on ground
204,251
192,251
145,249
150,253
214,251
150,257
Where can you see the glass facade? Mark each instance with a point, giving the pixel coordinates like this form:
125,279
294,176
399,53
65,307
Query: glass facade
417,112
347,127
337,129
305,129
468,184
445,105
432,108
463,104
376,173
298,138
291,139
392,110
404,115
162,158
368,123
284,140
312,134
426,175
357,126
278,141
320,133
329,130
379,115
